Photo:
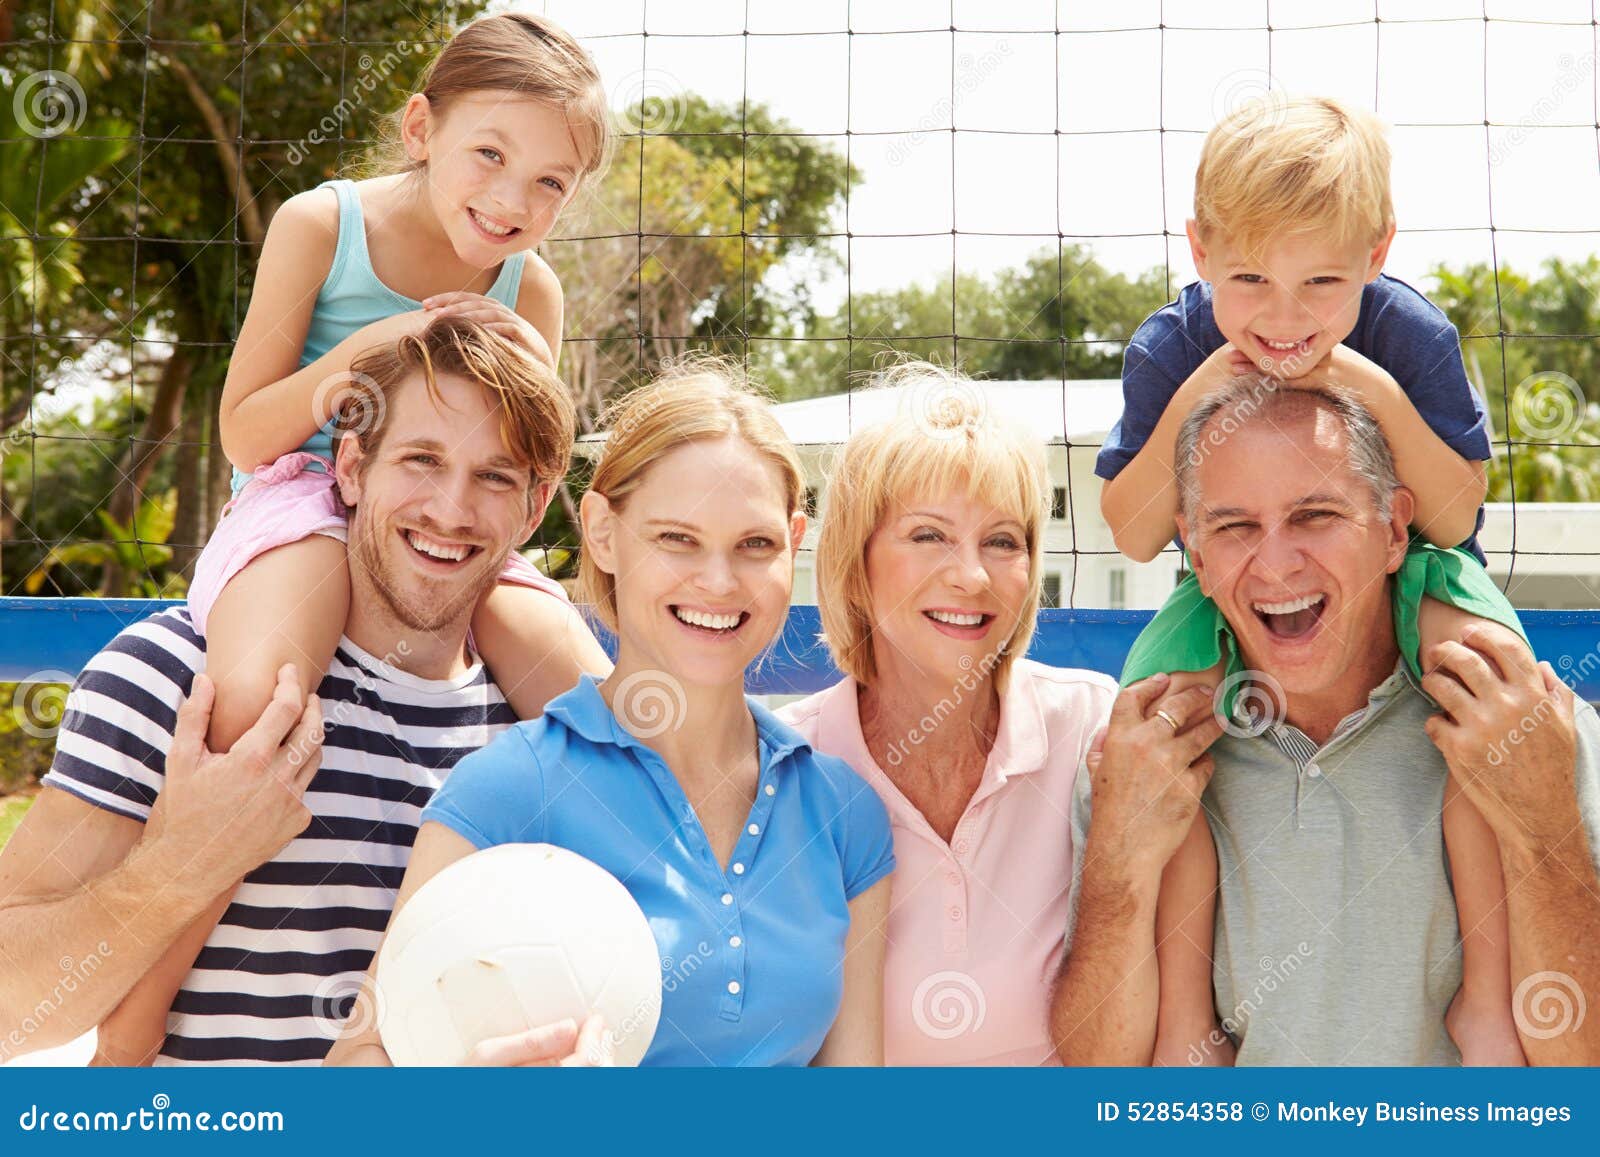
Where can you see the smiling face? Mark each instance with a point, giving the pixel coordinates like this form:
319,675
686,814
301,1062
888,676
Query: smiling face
500,168
1290,543
702,557
439,504
949,578
1288,302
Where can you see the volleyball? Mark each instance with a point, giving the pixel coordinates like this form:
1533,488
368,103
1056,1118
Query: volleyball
509,939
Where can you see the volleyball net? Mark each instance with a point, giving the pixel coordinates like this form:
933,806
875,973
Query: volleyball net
808,188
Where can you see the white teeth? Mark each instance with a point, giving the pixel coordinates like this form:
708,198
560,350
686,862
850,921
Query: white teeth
701,619
955,620
437,549
489,226
1283,346
1288,608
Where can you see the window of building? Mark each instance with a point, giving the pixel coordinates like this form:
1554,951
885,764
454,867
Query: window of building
1117,592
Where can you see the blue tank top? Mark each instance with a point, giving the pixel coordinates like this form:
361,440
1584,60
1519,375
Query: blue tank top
352,297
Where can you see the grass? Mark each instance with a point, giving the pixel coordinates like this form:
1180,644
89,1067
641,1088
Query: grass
12,809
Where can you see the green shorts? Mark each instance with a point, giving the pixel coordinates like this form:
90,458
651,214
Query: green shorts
1190,634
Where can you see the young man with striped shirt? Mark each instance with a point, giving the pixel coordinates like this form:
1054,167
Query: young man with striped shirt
141,835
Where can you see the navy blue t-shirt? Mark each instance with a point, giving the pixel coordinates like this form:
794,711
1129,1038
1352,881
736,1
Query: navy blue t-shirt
1399,329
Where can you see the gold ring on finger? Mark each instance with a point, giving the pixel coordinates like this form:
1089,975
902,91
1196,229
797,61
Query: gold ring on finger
1169,721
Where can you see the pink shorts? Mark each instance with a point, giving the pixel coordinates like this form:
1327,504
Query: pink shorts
286,502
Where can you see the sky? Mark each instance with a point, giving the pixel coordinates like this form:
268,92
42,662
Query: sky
1111,82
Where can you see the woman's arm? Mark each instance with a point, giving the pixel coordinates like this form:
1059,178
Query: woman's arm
857,1034
269,405
437,847
1141,503
1448,488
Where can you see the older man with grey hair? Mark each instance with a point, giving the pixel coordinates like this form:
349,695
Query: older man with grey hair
1336,934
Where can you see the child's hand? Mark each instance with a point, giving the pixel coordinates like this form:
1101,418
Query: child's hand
1238,361
492,315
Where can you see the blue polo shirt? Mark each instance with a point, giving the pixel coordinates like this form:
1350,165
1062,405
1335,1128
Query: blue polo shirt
752,957
1398,329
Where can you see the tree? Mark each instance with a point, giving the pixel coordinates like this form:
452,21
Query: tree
1054,316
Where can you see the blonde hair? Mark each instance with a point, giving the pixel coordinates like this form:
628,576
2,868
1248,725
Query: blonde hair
697,398
1294,164
537,419
948,440
519,53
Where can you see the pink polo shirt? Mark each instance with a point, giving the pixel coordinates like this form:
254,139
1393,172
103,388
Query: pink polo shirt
976,925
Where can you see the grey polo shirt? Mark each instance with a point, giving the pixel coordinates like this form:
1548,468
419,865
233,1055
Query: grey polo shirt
1336,938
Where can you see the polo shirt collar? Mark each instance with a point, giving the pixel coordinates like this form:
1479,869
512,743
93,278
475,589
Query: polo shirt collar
583,711
1398,680
1021,744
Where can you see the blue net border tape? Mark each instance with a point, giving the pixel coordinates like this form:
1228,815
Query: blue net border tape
53,638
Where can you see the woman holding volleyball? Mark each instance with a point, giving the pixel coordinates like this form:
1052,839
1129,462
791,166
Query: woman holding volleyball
762,860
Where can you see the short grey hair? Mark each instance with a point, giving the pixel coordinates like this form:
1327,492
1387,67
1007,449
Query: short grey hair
1252,398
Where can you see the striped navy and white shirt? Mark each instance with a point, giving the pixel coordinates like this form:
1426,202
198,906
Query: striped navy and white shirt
280,972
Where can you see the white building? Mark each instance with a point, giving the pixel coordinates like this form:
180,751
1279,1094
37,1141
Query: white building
1083,567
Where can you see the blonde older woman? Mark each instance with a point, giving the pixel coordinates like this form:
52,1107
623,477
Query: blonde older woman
928,569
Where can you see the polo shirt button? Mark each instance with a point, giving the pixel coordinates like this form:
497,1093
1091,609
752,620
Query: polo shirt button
955,913
754,829
733,987
771,790
738,869
727,897
953,878
961,847
1313,770
735,941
